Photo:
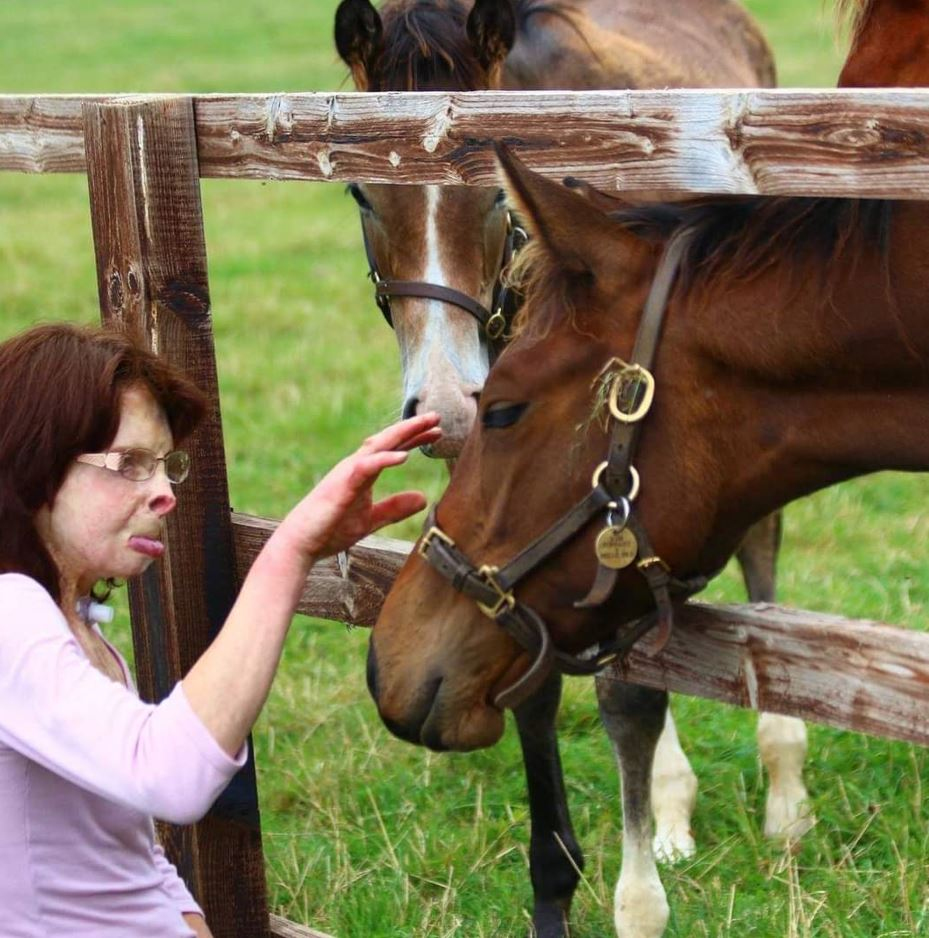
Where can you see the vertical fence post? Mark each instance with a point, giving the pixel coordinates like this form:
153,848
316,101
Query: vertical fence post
152,274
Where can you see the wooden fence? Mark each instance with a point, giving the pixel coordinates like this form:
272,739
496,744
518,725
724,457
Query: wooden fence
143,157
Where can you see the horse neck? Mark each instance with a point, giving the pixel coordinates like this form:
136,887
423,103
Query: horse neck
888,49
799,388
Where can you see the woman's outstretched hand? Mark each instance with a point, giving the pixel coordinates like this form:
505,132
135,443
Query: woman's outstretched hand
340,510
229,683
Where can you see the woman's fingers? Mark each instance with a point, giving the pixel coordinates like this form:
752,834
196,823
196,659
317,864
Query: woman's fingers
429,436
396,508
404,434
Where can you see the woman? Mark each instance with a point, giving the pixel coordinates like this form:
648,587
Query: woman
89,422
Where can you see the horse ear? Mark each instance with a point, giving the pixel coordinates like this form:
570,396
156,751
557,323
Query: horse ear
492,31
359,39
603,200
574,229
609,203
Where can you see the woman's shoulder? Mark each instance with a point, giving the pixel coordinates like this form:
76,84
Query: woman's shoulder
22,595
19,584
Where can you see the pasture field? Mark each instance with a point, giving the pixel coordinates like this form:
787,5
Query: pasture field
367,837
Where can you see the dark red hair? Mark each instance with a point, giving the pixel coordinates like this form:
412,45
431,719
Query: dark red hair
61,389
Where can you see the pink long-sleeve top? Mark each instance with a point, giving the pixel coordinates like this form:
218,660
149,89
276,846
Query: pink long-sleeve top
84,767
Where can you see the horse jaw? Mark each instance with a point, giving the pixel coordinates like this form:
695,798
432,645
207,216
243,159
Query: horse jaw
436,663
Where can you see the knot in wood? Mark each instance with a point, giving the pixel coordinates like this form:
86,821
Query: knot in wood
186,300
116,295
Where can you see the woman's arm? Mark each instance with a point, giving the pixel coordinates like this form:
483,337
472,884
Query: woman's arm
228,685
197,924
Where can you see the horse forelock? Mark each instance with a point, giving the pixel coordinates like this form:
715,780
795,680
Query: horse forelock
539,277
426,47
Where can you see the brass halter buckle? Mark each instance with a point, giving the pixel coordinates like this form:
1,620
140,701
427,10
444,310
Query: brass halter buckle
505,599
495,325
629,379
426,542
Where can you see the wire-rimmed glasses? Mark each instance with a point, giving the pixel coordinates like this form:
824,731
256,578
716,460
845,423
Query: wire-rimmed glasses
139,465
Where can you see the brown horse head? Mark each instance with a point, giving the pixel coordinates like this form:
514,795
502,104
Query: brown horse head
455,238
448,236
540,435
792,356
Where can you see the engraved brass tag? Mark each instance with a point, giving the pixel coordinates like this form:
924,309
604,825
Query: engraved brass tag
616,547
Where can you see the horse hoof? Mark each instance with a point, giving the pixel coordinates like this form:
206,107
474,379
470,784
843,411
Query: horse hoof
674,844
788,816
641,908
549,921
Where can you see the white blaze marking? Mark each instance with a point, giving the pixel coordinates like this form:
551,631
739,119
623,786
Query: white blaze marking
468,365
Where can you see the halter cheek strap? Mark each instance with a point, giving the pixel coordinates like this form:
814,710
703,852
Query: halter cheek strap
492,587
494,324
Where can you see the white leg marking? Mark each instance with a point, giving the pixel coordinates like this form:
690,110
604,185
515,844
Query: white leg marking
782,744
674,794
640,904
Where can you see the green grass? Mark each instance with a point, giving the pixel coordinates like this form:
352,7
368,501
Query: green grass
366,836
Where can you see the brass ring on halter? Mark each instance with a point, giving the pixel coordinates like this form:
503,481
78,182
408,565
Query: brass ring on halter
636,375
495,325
633,474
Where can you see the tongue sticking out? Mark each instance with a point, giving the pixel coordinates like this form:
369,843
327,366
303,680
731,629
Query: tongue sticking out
147,545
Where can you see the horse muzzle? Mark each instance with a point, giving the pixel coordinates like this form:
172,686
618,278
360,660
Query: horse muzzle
434,711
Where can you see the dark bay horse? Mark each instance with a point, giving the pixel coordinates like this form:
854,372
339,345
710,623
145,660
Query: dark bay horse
794,354
436,255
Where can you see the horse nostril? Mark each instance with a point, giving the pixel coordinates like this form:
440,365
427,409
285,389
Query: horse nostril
409,407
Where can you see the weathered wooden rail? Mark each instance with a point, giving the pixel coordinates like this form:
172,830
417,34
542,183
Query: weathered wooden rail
856,675
869,143
144,156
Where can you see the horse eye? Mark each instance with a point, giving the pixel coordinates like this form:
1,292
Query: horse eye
501,198
356,193
498,416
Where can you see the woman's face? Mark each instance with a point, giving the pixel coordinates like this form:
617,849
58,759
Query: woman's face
102,525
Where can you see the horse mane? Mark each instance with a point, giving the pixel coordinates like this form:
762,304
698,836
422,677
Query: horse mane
736,240
426,46
851,14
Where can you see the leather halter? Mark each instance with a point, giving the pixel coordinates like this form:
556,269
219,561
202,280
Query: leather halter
614,487
494,324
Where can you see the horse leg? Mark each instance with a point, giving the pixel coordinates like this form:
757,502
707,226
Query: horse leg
781,740
633,718
674,795
757,556
674,784
555,858
782,744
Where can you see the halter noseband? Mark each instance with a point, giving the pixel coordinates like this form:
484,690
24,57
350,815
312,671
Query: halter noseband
618,545
493,323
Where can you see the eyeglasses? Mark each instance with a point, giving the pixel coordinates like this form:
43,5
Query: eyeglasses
138,465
